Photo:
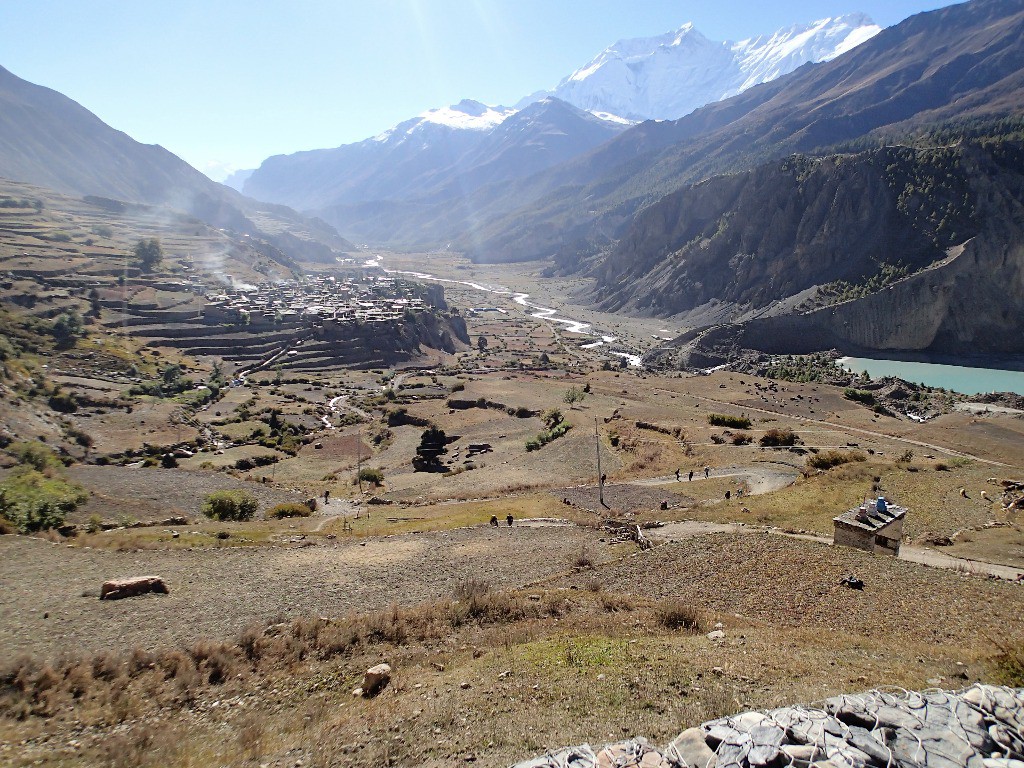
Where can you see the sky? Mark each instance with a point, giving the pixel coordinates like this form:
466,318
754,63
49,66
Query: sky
225,84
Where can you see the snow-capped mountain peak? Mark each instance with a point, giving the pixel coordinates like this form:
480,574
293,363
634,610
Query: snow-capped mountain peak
467,115
670,75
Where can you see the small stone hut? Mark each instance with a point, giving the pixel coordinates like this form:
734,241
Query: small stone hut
869,528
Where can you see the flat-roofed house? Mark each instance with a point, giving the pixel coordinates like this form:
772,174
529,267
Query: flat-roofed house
873,527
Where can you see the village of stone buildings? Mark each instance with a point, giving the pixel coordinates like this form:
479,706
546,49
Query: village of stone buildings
322,300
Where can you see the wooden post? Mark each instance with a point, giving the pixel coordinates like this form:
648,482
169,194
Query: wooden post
359,459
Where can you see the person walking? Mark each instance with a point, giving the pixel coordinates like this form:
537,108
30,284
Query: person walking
677,475
707,472
509,519
691,475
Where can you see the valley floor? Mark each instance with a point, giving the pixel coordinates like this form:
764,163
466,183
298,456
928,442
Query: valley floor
504,642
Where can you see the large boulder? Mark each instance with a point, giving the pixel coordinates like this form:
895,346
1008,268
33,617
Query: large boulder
115,589
375,679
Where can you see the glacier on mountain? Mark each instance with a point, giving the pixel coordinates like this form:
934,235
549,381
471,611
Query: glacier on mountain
670,75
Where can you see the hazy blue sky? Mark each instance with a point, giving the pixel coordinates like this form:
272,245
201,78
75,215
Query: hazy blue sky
226,83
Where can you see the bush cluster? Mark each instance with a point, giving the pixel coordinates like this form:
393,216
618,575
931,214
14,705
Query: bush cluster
33,501
778,436
371,475
543,438
725,420
833,458
289,509
859,396
230,505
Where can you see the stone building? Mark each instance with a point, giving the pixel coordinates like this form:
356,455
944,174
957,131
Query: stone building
873,527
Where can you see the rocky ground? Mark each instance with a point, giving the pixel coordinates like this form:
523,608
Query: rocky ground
796,583
151,493
49,596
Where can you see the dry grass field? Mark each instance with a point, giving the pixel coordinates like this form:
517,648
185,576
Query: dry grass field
504,641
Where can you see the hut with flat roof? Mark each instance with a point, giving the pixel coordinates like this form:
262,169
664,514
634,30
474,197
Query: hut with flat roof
873,527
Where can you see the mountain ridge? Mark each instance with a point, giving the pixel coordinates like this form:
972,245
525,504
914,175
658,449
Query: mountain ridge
51,141
960,60
668,76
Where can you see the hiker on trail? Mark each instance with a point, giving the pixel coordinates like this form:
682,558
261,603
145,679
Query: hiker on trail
494,520
603,478
727,495
509,519
691,475
327,495
707,472
677,475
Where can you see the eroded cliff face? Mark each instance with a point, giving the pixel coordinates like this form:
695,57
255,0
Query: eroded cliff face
969,305
972,305
754,238
965,300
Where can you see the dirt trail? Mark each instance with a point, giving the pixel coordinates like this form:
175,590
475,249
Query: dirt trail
759,479
909,552
845,428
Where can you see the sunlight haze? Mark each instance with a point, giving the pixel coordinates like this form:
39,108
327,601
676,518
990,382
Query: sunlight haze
227,84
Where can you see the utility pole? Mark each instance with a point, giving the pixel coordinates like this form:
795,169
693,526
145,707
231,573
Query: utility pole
600,477
359,459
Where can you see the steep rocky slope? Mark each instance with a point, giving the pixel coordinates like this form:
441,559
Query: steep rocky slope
963,302
754,238
958,61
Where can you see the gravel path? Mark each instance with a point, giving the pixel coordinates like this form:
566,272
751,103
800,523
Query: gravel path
760,479
216,593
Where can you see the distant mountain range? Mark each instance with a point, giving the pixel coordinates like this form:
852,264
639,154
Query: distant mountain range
387,189
669,76
49,140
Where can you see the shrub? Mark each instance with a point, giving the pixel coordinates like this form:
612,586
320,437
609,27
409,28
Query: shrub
583,559
543,438
552,418
833,458
675,614
36,455
859,396
63,402
32,501
399,416
742,438
245,464
1009,663
776,436
289,509
371,475
230,505
725,420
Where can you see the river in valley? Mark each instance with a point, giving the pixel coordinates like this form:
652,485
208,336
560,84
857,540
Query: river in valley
529,307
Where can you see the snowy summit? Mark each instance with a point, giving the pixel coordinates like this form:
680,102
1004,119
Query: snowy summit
467,115
668,76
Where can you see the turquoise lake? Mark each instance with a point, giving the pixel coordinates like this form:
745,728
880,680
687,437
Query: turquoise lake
959,378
